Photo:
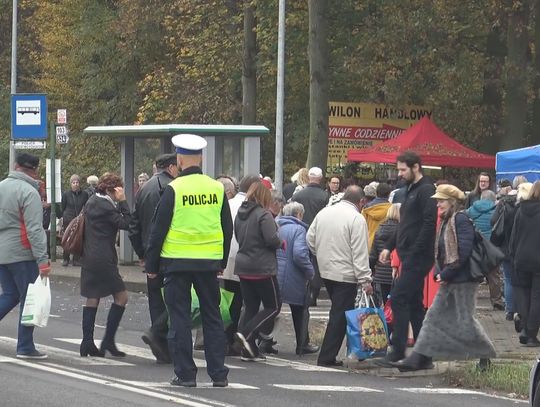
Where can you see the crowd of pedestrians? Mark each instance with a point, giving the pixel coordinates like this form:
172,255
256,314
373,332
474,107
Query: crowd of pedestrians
269,249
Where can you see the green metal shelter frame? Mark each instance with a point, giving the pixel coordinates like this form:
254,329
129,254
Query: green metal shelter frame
238,145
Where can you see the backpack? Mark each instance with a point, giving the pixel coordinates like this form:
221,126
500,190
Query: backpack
497,230
72,239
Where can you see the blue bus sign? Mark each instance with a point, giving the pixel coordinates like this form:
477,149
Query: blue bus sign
29,117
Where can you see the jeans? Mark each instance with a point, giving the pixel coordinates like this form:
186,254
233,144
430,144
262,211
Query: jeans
178,299
508,294
14,281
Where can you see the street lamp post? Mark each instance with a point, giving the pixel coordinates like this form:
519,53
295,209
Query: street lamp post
13,76
280,98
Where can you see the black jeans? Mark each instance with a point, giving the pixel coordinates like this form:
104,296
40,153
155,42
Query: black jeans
178,300
407,306
300,317
235,309
342,297
527,300
254,292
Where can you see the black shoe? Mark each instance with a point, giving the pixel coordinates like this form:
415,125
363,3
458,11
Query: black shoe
183,383
158,348
89,348
532,343
498,307
246,357
523,337
35,354
267,346
245,344
331,363
517,323
220,383
415,361
389,359
309,348
509,316
65,263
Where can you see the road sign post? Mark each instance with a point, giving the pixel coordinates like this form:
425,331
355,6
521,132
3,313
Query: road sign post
53,192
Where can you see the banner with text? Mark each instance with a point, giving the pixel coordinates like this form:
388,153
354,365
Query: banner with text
362,125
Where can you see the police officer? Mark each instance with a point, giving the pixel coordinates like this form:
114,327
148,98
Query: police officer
189,244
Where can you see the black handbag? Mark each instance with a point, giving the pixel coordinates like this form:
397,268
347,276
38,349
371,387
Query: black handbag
485,257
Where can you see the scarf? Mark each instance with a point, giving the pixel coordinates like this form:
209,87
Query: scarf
450,242
107,198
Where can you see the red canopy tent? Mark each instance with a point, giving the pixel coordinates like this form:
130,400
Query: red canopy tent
428,141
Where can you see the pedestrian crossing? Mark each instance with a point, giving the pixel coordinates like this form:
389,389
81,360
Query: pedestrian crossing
68,363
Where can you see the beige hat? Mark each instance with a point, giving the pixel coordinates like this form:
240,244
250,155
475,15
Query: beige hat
449,191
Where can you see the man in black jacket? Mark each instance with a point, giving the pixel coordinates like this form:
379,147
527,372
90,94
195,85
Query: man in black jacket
146,202
414,241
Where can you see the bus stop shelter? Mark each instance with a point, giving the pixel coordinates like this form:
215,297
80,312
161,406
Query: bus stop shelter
232,148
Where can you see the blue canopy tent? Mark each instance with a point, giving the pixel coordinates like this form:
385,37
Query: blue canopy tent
523,161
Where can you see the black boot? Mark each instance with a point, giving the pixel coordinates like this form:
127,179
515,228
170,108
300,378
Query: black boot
415,361
113,320
88,347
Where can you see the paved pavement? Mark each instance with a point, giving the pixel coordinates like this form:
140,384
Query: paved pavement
500,331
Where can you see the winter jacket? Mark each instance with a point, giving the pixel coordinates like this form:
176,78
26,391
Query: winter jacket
383,271
480,213
338,237
509,205
314,198
294,265
258,239
375,215
72,204
457,273
416,231
146,202
525,237
234,205
21,220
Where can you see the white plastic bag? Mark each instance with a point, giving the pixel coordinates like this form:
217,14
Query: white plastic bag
37,305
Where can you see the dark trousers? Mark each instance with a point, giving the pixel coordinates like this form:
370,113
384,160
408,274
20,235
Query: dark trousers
527,300
407,306
254,292
178,300
300,317
316,283
156,305
235,309
14,281
342,297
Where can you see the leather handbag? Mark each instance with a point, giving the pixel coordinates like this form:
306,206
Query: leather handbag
72,239
485,257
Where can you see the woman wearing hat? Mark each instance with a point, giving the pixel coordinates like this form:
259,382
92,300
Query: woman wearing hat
450,330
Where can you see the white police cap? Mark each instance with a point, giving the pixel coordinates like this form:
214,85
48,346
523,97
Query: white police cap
188,144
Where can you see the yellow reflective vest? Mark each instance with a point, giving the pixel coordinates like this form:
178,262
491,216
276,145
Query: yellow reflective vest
195,231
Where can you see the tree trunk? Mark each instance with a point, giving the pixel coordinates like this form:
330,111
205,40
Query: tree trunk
318,83
516,82
249,68
535,128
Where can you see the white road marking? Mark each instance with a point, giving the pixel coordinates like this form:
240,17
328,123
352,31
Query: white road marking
143,353
305,367
426,390
67,354
206,385
308,387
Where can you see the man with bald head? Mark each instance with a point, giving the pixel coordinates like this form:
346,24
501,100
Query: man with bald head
338,236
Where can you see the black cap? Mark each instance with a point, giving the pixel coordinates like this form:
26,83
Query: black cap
28,161
164,160
504,183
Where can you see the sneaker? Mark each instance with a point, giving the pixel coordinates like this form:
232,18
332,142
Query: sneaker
183,383
267,346
517,323
220,383
245,344
509,316
35,354
246,358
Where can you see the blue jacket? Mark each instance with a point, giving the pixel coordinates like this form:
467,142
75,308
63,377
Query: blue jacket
294,264
481,212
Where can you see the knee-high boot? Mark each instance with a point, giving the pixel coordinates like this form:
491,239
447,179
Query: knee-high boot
88,347
113,320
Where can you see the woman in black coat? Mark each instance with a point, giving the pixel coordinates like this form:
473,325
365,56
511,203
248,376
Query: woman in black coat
105,213
72,203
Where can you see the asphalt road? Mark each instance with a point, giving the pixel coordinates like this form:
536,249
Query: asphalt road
65,379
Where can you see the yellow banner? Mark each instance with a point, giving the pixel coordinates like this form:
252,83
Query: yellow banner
362,125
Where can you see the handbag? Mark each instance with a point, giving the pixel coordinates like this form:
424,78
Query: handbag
37,305
497,231
485,257
388,314
367,332
73,236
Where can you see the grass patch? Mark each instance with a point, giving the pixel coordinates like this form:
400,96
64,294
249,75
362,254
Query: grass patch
510,377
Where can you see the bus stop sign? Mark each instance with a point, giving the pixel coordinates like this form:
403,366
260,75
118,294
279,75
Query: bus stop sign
29,117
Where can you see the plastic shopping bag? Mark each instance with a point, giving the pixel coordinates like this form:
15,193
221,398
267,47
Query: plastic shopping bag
367,332
388,314
224,305
37,305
